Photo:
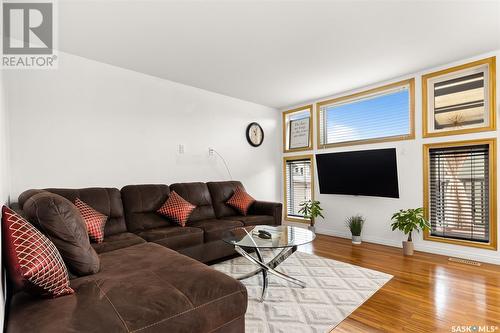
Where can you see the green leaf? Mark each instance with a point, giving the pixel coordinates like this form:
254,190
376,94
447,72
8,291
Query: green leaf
409,220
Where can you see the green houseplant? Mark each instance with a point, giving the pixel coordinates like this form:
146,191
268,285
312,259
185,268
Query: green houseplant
407,221
311,210
355,224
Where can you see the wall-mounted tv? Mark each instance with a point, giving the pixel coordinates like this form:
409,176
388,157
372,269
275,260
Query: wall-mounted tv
366,172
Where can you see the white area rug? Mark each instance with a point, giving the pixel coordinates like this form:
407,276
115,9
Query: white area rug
334,290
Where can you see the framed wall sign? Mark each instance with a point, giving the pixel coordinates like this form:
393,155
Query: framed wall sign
297,129
299,133
460,99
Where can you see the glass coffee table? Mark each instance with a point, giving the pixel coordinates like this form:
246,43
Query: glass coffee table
286,238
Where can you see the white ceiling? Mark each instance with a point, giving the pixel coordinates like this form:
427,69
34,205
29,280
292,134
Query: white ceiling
278,53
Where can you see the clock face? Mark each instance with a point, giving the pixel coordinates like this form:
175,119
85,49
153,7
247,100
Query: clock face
255,134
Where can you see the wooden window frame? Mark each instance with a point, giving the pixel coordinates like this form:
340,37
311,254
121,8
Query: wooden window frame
285,205
411,88
492,245
491,62
285,128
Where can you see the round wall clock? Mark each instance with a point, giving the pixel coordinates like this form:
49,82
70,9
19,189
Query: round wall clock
255,134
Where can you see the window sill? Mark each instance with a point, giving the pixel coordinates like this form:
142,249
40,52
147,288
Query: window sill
492,245
297,219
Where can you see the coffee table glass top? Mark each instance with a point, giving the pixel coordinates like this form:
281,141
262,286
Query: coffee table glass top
281,237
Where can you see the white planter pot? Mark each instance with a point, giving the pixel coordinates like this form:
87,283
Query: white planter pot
407,248
356,239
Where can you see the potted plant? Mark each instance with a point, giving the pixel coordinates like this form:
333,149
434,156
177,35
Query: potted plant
407,221
355,224
311,209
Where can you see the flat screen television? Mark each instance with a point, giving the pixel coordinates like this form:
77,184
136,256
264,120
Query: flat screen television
366,172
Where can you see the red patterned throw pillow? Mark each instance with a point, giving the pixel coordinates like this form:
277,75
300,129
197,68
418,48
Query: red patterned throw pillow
33,261
241,201
177,209
94,221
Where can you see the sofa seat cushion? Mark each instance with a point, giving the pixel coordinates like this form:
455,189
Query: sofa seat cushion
145,288
215,228
117,241
252,219
174,237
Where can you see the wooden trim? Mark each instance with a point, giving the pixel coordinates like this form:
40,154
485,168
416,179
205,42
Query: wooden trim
492,245
410,136
285,202
284,125
491,62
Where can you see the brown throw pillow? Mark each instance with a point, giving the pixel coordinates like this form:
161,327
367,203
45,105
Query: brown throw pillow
62,223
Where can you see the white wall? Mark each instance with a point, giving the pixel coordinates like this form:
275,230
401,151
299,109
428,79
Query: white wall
4,144
4,177
379,210
92,124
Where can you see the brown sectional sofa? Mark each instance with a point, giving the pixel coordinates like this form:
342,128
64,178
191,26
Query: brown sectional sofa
152,277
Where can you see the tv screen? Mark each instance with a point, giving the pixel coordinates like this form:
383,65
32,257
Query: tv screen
367,172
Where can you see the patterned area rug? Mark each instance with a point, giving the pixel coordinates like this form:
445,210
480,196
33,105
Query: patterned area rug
334,290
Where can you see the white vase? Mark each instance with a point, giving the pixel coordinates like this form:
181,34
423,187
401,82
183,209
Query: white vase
356,239
408,248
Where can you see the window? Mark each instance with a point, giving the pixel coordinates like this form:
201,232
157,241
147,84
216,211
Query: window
298,173
460,197
376,115
460,99
297,129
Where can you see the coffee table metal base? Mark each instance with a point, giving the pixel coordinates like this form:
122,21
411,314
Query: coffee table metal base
266,268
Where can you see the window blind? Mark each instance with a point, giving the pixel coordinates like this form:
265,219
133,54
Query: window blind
298,185
459,101
459,192
382,115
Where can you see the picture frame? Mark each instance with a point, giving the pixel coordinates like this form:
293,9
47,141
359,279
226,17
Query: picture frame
299,135
460,99
296,117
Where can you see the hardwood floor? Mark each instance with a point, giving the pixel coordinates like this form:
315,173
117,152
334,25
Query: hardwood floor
427,294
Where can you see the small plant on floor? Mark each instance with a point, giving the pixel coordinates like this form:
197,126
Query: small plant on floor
355,224
311,210
407,221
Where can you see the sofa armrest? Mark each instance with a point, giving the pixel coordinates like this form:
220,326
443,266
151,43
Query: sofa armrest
268,208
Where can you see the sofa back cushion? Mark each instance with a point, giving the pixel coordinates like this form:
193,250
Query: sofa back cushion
141,202
104,200
221,192
198,195
107,201
62,223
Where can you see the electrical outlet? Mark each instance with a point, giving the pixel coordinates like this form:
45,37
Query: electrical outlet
210,151
181,149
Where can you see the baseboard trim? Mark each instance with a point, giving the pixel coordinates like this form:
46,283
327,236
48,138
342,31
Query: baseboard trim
494,258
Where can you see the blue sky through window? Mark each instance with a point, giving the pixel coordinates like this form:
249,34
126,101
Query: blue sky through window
376,117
